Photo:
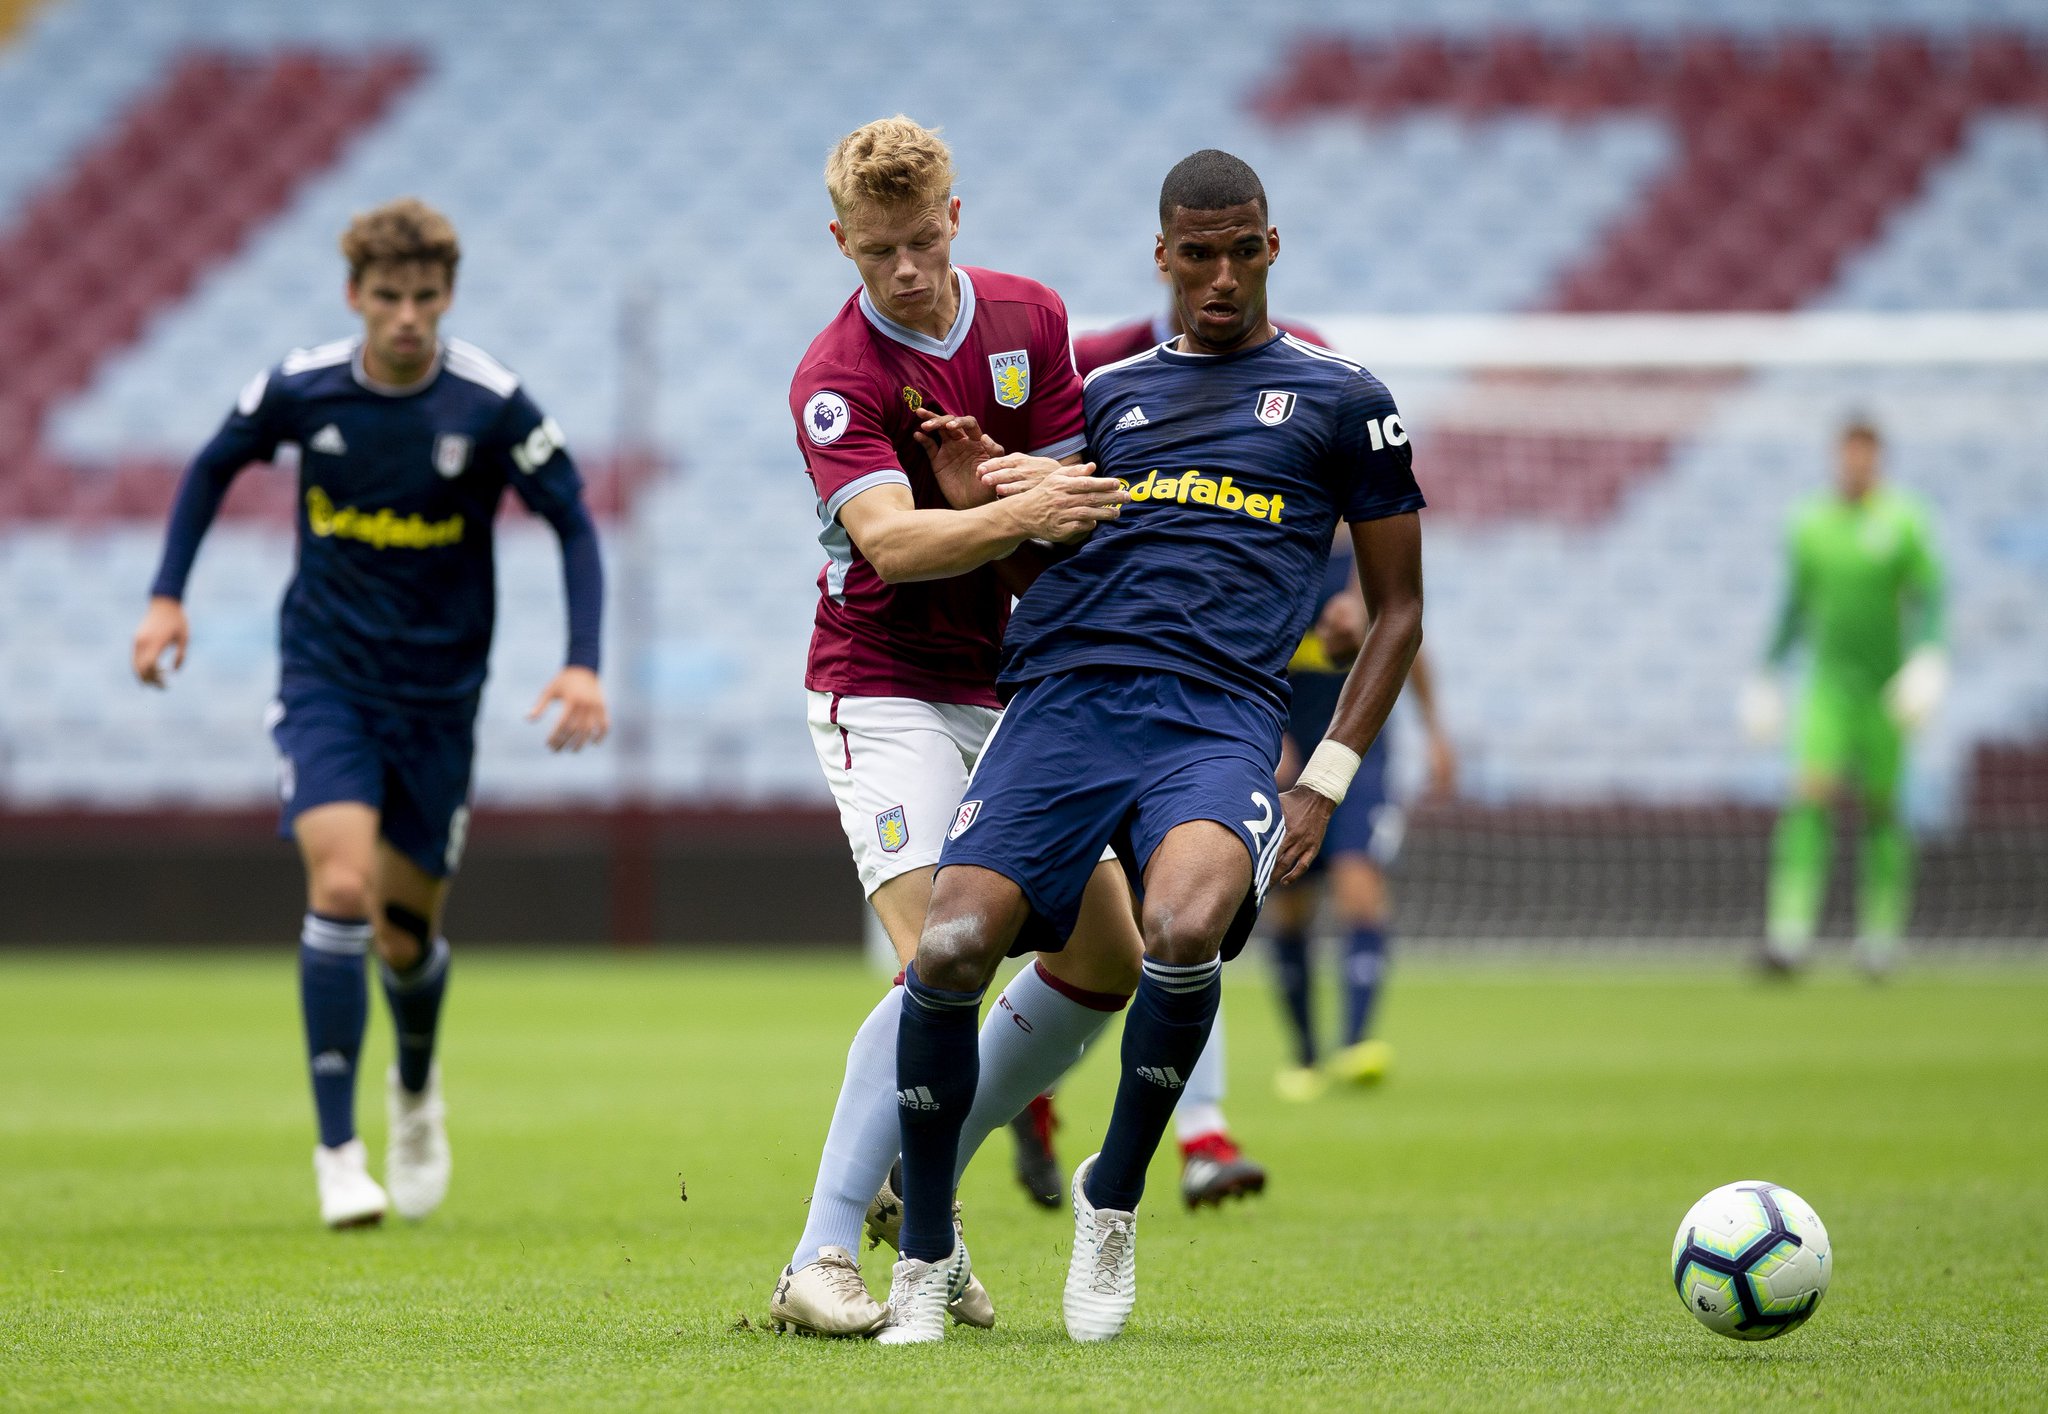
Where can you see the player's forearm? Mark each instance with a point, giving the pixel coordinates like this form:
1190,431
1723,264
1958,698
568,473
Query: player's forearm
200,492
1422,683
582,583
914,545
1375,680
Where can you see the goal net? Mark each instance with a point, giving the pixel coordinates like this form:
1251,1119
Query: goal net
1605,556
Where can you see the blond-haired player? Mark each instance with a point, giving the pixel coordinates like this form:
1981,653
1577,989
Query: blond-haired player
927,370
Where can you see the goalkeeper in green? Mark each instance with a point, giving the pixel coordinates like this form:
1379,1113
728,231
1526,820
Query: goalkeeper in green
1864,593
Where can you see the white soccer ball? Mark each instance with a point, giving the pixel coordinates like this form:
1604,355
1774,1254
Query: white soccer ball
1751,1260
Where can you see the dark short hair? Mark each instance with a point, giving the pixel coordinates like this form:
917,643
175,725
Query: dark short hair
1209,180
1859,428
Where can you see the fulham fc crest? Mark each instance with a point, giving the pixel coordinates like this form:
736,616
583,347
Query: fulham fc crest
451,454
1274,408
963,817
1012,374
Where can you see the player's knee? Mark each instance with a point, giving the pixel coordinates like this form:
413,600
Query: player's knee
1185,935
959,951
341,890
1360,891
403,936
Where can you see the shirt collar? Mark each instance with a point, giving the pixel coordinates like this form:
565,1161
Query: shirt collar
925,343
395,390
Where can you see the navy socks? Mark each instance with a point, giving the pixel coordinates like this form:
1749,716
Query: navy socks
1365,955
938,1064
415,996
1290,961
1169,1023
334,996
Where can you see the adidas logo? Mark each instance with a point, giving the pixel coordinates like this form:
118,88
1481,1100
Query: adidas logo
1162,1075
328,441
331,1063
916,1098
1134,418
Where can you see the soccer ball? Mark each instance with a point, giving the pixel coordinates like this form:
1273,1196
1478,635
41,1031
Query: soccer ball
1751,1260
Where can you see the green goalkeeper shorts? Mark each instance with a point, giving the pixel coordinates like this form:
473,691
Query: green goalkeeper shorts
1847,737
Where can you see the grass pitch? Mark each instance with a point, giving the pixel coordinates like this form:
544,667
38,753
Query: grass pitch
1490,1229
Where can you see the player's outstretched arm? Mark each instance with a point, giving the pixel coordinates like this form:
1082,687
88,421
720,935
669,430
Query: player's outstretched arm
245,437
906,544
1389,555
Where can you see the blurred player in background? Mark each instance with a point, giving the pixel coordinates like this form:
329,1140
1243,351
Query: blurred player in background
407,442
1146,709
1863,590
1212,1166
1363,839
928,369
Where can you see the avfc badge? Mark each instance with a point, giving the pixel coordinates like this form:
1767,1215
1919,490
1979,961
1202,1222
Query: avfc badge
1274,408
1012,374
451,454
912,398
825,418
963,817
893,829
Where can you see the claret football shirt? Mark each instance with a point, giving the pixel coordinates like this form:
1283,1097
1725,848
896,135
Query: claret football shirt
858,398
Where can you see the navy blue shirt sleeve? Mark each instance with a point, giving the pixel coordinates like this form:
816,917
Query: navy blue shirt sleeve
1374,472
544,476
250,434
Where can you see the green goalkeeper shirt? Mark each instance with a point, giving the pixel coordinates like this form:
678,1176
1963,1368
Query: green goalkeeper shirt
1858,570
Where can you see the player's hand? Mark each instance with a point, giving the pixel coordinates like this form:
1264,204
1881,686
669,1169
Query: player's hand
163,627
1443,766
1016,473
1761,710
956,447
1341,626
1068,504
1916,690
584,720
1307,815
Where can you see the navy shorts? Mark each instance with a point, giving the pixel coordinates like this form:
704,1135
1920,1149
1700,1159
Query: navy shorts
411,766
1115,757
1368,822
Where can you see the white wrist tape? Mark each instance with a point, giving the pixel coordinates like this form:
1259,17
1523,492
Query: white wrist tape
1329,770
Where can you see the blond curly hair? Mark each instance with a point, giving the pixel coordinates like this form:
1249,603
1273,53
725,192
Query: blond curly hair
891,162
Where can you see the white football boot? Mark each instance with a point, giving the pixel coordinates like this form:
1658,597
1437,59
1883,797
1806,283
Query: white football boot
920,1294
826,1297
349,1197
416,1165
1102,1277
970,1304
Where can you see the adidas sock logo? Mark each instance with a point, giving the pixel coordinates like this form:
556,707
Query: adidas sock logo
1163,1075
917,1097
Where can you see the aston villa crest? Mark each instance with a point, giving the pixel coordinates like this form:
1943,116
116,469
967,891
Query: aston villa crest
451,454
1012,374
1274,407
893,828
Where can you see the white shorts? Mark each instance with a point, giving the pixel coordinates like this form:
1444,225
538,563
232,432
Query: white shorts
898,768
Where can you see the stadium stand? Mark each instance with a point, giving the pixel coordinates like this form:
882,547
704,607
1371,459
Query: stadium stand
1521,155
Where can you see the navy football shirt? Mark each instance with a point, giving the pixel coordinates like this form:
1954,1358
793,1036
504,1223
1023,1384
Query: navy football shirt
1239,466
395,594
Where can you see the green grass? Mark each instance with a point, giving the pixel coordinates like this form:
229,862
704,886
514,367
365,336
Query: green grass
1488,1230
